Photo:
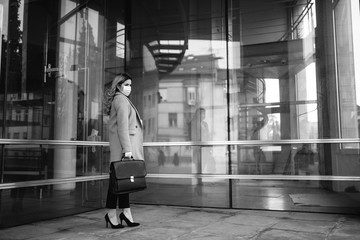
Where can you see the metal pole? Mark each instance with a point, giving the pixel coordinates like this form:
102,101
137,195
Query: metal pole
228,100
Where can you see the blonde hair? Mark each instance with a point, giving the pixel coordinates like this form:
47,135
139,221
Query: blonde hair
110,92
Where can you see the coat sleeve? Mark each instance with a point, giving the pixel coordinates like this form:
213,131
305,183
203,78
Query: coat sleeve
122,108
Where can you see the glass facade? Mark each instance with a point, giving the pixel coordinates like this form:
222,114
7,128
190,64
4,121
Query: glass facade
246,104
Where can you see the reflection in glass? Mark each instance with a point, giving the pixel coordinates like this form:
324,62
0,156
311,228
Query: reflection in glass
347,17
181,191
78,90
31,204
182,88
273,70
51,88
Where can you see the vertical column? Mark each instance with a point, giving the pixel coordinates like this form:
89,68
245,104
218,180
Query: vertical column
65,129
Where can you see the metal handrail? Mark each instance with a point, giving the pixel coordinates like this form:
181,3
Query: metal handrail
188,143
184,143
35,183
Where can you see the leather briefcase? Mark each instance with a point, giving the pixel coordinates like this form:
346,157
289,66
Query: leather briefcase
127,175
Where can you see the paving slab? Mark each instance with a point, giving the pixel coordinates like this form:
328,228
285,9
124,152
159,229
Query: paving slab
276,234
186,223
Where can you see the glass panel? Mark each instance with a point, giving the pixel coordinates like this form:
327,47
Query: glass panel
51,78
180,53
347,18
272,76
12,21
304,196
32,204
52,74
78,87
201,73
337,66
22,163
182,194
273,71
115,39
180,90
178,59
283,85
36,162
193,191
67,7
303,160
114,52
4,10
181,160
296,195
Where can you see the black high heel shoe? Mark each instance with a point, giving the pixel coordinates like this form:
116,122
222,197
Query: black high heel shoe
128,222
107,220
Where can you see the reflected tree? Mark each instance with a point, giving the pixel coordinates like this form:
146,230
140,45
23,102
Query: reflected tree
14,48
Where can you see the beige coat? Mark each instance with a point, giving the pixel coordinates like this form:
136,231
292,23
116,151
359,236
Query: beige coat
125,129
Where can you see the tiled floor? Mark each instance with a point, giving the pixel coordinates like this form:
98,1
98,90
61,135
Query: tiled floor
261,195
178,223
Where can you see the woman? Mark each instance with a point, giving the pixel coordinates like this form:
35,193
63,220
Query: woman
126,140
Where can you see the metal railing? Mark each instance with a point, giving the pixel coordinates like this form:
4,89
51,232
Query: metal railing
184,143
103,176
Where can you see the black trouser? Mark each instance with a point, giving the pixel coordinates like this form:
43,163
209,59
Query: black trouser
122,200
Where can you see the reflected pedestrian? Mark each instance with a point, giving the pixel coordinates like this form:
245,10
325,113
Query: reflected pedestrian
176,159
303,160
161,159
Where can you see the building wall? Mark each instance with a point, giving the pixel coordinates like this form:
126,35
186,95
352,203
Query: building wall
248,90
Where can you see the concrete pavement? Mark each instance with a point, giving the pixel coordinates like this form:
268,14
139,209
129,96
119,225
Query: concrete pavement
184,223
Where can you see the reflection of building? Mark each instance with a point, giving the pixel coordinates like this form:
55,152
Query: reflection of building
264,70
28,116
185,91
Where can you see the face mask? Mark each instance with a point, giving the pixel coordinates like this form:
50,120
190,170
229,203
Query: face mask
126,90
